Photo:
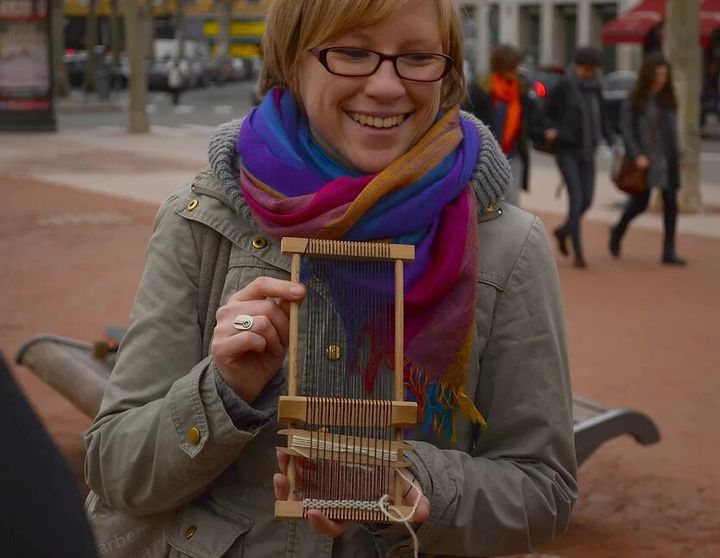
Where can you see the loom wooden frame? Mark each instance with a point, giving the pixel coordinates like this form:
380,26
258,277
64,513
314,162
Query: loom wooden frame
293,408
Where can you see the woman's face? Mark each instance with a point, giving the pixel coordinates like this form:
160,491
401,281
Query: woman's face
660,78
336,105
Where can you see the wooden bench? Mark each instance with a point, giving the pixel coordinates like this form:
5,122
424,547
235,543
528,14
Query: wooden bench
79,371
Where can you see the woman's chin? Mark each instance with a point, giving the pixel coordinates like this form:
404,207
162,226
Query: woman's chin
373,162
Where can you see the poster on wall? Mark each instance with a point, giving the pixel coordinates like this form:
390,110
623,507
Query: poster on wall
26,86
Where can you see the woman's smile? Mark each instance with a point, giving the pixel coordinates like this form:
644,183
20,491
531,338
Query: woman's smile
377,121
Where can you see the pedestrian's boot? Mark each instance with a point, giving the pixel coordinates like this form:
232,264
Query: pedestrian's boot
671,258
614,243
579,261
562,241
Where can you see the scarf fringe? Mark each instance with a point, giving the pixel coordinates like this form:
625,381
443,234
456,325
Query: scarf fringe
439,402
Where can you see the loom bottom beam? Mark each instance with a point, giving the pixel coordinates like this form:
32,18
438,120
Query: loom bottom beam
296,510
294,409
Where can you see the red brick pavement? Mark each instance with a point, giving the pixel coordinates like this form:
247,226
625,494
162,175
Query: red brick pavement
640,336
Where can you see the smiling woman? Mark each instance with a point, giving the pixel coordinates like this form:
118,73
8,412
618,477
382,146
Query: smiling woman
359,137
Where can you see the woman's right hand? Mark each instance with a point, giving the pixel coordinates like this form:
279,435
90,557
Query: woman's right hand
248,359
642,162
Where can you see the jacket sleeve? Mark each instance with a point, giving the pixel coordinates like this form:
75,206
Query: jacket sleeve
143,452
515,489
480,105
553,107
630,132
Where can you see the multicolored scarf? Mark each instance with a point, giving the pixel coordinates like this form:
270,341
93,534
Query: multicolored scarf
423,198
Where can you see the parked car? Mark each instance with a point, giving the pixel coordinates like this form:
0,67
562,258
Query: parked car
616,88
75,60
541,81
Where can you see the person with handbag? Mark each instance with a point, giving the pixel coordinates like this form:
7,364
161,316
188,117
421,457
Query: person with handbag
359,137
501,100
649,131
574,122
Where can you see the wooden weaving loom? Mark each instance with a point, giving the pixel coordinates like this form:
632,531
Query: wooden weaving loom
345,433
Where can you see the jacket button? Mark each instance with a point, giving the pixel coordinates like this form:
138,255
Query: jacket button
193,436
333,352
190,531
192,205
259,242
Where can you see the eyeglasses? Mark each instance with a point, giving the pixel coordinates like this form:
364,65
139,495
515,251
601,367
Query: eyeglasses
361,62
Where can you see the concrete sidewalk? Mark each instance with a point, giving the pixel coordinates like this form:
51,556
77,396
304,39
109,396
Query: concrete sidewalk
149,167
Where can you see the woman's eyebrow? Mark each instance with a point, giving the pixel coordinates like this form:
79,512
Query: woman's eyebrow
420,43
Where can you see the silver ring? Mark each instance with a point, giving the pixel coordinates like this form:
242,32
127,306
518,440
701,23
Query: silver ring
243,322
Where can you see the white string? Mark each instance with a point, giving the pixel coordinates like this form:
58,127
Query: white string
385,508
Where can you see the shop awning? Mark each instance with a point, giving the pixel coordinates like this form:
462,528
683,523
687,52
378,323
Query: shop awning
709,20
634,25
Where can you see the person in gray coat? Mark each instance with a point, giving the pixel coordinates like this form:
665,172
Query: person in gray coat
358,136
649,131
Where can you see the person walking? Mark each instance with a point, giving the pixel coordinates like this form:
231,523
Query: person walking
649,132
501,100
175,81
358,137
574,122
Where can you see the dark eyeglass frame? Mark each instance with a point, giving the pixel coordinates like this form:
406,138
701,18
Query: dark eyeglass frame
322,53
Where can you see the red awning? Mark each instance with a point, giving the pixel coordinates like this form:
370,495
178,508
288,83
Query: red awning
634,25
709,20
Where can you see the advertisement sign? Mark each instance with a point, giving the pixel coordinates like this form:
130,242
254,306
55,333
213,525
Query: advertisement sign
26,84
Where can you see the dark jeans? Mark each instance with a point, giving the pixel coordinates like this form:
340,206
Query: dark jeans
637,204
579,177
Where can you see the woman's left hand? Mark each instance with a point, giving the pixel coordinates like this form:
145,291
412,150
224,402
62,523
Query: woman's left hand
327,527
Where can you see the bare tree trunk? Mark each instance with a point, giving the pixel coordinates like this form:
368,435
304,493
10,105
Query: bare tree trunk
682,50
137,88
91,39
224,13
115,46
180,27
57,34
147,29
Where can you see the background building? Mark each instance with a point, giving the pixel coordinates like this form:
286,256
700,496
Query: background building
547,31
199,16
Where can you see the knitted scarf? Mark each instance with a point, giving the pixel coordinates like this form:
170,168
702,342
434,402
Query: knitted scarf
294,188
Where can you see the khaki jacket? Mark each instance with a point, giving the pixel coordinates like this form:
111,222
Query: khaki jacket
163,439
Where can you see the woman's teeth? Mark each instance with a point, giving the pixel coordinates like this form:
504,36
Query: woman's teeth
377,121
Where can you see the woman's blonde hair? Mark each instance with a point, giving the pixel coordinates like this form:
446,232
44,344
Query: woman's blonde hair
294,26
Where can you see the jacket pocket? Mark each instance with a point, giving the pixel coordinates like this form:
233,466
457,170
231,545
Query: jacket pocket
201,532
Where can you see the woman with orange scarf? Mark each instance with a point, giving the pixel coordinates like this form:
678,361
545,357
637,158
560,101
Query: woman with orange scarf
501,101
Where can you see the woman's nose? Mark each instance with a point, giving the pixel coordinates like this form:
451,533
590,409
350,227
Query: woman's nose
385,82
